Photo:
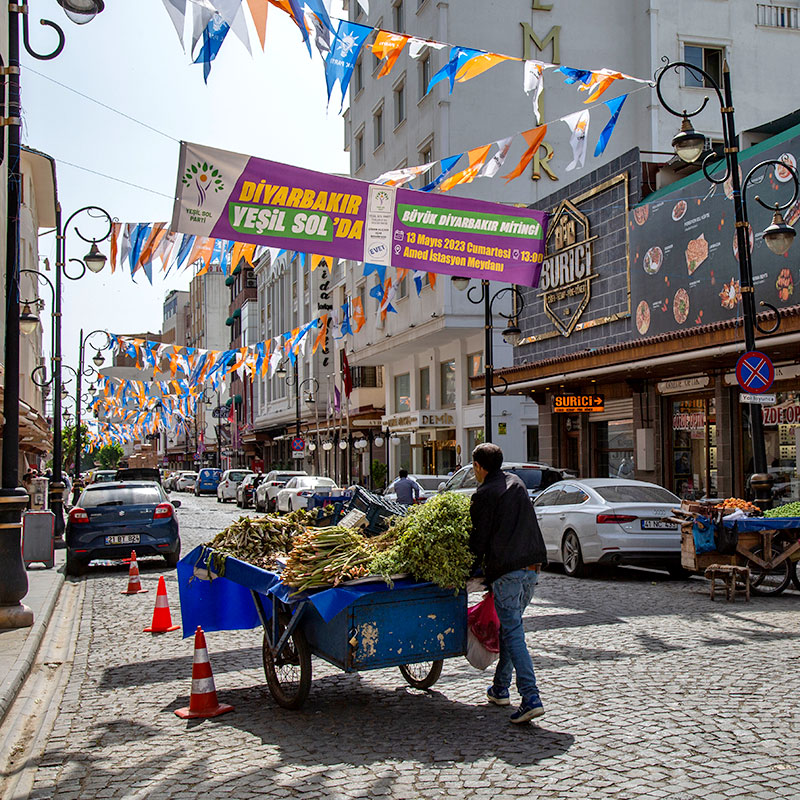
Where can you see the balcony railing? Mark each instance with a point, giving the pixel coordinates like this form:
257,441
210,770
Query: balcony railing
774,16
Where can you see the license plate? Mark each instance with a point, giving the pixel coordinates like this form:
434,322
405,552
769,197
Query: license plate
658,525
128,538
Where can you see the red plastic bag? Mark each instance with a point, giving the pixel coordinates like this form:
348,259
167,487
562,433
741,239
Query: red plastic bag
484,623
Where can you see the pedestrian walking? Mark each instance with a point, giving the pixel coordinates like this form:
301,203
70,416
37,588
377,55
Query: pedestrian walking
406,489
508,544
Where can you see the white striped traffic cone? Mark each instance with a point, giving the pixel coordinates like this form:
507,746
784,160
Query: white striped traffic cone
203,701
134,584
162,619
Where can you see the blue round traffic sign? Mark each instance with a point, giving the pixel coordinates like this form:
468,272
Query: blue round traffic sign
298,444
754,372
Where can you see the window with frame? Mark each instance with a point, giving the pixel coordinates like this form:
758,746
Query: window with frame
447,383
398,15
424,76
474,368
705,57
358,76
402,392
425,388
399,104
377,127
359,149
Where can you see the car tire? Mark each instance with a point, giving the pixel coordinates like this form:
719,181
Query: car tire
172,559
572,556
679,573
75,567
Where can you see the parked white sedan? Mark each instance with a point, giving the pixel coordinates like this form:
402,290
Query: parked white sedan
267,491
609,521
229,483
295,494
185,483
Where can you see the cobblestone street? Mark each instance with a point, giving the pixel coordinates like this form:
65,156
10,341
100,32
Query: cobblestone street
651,691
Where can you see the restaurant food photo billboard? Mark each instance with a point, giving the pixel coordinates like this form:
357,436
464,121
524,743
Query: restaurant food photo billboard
684,252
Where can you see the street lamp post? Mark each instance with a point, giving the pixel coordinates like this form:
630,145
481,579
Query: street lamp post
93,261
13,499
689,146
81,372
511,334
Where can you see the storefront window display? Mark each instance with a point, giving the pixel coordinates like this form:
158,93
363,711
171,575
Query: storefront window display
694,448
425,388
447,376
782,444
402,393
613,441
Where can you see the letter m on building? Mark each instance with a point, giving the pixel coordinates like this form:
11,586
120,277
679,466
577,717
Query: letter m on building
529,38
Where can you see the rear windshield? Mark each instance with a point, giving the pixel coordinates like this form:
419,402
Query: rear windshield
635,494
532,478
429,483
133,496
237,476
104,477
285,476
210,473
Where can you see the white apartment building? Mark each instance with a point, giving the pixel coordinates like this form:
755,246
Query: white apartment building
430,347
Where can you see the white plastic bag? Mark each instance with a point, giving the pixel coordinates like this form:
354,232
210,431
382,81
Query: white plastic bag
477,655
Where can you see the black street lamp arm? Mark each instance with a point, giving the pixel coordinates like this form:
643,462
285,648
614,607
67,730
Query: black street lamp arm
47,23
519,302
675,65
311,382
91,240
775,206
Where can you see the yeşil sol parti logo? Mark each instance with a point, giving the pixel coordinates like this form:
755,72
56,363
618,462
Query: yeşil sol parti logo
204,177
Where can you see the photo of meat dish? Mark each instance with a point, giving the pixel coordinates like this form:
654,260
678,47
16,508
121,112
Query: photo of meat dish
731,294
696,253
678,210
785,284
653,259
680,306
641,214
643,317
781,173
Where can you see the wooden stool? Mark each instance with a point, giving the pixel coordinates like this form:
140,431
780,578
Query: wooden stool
732,576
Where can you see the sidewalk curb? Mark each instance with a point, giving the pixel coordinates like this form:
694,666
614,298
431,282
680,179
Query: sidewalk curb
12,683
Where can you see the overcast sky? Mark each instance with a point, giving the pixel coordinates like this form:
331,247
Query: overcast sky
129,59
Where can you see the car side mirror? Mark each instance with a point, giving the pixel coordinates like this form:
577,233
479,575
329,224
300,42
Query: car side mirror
440,487
176,503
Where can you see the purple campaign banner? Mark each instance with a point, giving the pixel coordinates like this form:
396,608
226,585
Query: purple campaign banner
247,199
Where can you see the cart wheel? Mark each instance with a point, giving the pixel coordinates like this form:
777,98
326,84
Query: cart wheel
422,675
769,581
289,673
796,574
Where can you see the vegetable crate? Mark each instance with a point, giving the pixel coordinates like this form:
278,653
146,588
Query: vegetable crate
414,629
378,509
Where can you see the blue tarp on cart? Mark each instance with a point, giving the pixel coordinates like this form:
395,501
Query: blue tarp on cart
226,604
756,524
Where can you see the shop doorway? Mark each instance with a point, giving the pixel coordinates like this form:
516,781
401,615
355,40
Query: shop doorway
693,459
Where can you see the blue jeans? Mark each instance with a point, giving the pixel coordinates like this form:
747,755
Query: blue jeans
512,593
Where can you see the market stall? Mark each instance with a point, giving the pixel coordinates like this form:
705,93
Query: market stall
359,602
738,534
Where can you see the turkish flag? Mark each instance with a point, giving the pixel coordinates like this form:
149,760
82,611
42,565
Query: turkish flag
347,378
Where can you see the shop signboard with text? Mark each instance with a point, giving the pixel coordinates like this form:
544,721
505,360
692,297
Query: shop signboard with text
684,253
247,199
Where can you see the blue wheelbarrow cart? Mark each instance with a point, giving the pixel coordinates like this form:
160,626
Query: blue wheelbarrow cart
362,625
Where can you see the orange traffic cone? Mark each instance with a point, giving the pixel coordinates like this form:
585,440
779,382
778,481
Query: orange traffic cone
162,620
134,584
203,701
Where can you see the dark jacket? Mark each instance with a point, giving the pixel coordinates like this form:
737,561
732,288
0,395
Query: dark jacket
505,534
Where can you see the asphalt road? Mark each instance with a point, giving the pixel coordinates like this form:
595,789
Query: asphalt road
651,691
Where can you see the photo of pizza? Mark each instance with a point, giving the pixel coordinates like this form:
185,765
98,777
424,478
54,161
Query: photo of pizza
781,173
653,259
641,214
679,209
736,241
784,284
680,306
643,317
696,253
731,294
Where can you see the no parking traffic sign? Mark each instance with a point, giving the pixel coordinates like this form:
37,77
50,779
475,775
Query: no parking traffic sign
754,372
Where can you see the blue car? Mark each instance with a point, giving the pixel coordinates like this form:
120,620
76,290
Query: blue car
111,519
207,481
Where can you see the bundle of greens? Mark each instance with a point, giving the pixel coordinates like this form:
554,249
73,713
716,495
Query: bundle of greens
255,540
327,556
432,543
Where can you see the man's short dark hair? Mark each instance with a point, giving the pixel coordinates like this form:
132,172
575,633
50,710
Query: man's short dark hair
489,456
403,473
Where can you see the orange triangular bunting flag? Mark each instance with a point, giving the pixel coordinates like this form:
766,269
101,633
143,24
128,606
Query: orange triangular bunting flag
258,11
534,138
478,65
389,46
476,158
